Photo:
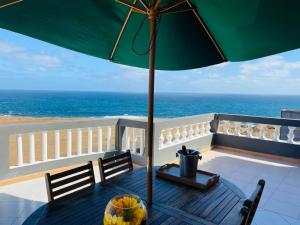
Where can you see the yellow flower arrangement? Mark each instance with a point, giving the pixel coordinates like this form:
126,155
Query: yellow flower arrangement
125,210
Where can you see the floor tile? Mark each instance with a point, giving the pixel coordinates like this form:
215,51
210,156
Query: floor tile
263,217
283,208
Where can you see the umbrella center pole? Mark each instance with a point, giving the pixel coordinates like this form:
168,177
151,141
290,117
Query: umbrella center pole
152,15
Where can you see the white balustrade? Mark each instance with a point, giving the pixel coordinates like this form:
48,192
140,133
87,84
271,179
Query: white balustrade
134,139
142,141
57,144
79,141
44,146
90,140
100,139
291,135
69,142
20,149
31,148
175,135
108,139
264,132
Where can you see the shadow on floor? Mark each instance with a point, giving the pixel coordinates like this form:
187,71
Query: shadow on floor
14,210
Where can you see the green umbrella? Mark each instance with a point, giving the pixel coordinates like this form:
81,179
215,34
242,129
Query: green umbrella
184,34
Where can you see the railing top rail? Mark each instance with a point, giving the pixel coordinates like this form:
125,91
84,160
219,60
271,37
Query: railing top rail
56,125
136,123
258,119
174,122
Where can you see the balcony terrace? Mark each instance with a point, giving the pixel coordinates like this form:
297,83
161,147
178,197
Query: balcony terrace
241,149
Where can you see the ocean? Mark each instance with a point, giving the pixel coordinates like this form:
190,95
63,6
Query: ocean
167,105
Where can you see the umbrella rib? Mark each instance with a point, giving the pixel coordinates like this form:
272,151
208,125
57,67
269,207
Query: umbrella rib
144,4
121,33
207,32
132,6
10,2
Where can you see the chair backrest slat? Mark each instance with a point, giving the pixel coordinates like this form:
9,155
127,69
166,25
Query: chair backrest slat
70,172
70,180
251,204
115,164
72,187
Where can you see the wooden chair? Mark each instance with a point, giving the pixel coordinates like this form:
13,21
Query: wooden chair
69,181
115,165
250,205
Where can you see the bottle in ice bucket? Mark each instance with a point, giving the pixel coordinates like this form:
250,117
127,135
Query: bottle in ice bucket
188,160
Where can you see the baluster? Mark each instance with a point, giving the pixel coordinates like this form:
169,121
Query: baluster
127,137
169,136
108,139
276,135
20,149
202,129
142,141
184,133
69,142
191,131
31,148
44,146
79,141
221,127
134,140
226,127
100,139
90,140
237,127
262,129
250,130
57,144
161,139
207,128
177,135
197,130
291,135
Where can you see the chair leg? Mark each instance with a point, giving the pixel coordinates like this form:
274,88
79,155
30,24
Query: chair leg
48,187
100,163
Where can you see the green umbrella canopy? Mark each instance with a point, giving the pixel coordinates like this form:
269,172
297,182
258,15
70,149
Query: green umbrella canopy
242,29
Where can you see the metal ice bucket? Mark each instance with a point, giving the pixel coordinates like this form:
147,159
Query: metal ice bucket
188,159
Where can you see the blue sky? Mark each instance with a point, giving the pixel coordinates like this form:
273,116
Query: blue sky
26,63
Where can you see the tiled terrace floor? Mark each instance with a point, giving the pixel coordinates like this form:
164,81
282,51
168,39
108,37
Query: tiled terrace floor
280,204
